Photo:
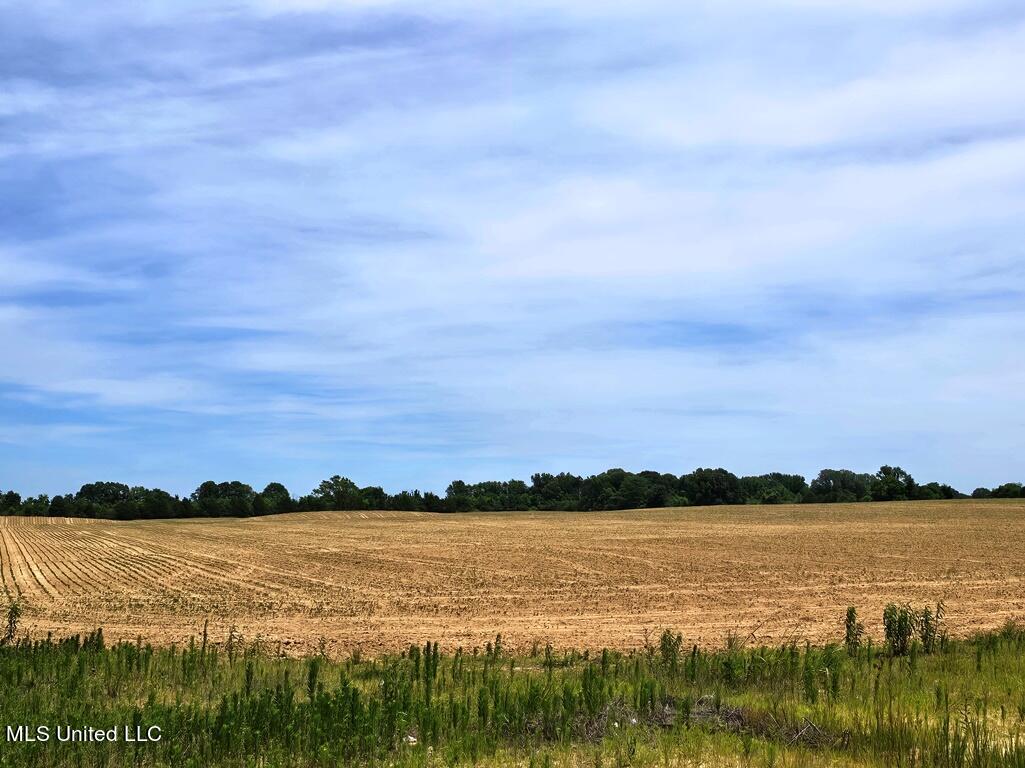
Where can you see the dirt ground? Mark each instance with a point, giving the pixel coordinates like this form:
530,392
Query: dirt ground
381,580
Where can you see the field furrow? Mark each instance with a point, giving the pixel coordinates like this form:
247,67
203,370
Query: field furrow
11,589
44,551
27,582
383,580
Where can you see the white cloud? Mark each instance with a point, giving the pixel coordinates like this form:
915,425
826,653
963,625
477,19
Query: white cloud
921,91
584,235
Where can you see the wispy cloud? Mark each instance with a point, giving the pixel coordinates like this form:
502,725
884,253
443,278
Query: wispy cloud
276,240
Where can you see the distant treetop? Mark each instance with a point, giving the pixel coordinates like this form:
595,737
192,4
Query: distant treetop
612,489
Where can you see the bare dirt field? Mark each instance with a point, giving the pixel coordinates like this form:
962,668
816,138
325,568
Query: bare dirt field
380,580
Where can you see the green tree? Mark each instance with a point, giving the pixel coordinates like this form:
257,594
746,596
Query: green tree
711,486
275,498
153,504
1008,491
230,499
373,497
10,503
407,501
839,485
338,493
561,491
103,493
62,506
892,484
936,491
773,488
457,497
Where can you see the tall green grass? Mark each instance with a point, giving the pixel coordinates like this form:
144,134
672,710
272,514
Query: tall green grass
234,704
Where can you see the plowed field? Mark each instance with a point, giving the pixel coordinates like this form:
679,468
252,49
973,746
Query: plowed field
381,580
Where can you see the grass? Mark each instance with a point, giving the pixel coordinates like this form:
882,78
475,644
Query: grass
237,704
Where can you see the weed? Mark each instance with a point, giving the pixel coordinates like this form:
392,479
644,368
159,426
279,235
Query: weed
13,617
899,625
854,630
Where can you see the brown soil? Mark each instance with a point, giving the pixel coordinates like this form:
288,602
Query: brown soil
381,580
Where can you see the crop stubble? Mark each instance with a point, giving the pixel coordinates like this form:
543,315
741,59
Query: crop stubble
380,580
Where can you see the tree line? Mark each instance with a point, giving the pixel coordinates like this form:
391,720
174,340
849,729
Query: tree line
612,489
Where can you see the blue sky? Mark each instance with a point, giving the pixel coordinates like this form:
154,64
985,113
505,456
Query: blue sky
414,242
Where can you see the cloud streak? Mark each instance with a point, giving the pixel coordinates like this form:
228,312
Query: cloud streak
281,240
